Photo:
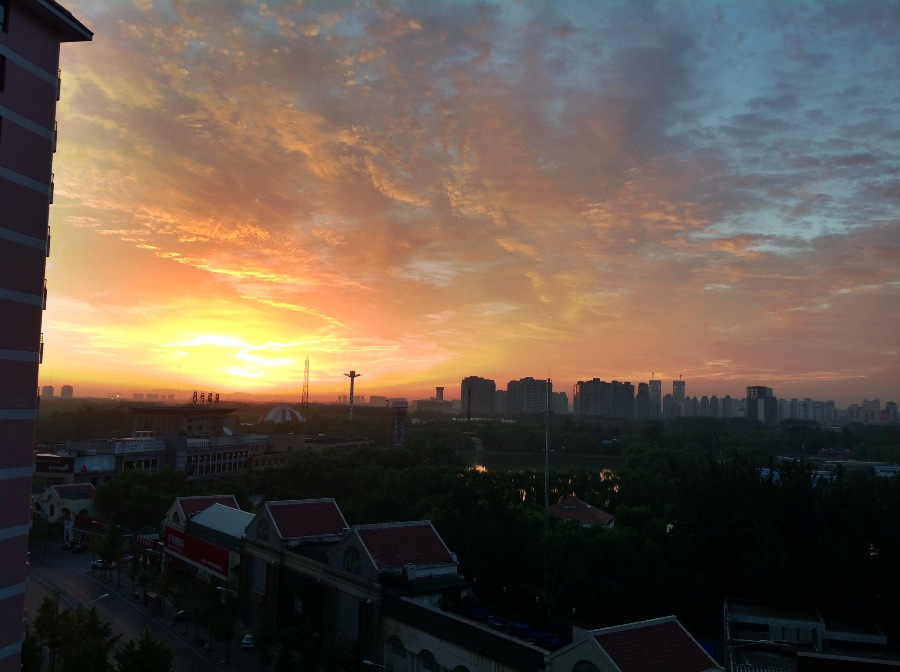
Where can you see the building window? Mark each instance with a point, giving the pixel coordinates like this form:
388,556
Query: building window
428,662
585,666
2,71
397,647
4,15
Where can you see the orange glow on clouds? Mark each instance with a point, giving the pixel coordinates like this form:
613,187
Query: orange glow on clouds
425,191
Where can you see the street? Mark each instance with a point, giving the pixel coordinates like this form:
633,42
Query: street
54,569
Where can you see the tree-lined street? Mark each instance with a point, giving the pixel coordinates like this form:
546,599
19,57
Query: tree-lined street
67,577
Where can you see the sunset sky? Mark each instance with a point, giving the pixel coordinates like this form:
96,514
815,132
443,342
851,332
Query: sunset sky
426,190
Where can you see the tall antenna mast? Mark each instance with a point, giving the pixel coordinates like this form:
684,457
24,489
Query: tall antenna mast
353,375
304,401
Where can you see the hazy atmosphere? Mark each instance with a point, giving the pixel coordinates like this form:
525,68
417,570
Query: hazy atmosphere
424,191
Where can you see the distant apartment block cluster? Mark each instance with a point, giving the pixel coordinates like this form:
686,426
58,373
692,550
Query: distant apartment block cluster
65,392
479,397
618,400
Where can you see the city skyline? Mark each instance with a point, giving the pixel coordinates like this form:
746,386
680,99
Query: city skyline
427,191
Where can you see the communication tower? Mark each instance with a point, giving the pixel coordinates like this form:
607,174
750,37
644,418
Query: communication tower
353,375
400,409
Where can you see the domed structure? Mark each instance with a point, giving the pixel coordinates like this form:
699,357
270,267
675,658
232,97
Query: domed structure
282,413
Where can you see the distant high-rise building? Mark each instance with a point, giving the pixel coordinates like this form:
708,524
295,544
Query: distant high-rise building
477,396
761,404
655,400
527,395
727,406
67,392
47,392
560,401
678,391
597,397
642,402
670,409
31,32
439,393
715,410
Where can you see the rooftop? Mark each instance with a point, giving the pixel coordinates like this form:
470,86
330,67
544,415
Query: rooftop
396,545
305,518
573,509
658,645
191,506
224,519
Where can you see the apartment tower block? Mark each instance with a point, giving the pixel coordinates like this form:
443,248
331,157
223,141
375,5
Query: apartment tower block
31,32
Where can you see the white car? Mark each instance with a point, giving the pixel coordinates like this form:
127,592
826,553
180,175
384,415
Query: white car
247,642
100,564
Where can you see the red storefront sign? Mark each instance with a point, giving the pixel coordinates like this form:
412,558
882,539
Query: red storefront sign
202,554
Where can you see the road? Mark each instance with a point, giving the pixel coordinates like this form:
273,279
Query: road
53,568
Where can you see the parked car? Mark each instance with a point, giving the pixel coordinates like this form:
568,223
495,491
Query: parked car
78,547
248,642
68,545
102,564
125,559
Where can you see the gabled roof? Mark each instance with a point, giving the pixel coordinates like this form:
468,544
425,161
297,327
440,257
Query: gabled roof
193,505
658,645
396,545
224,519
299,518
75,490
573,509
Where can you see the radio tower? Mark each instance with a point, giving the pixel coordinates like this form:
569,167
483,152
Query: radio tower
353,375
304,402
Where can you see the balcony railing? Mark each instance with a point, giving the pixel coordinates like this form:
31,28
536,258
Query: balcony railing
55,135
58,85
48,241
45,294
41,354
51,187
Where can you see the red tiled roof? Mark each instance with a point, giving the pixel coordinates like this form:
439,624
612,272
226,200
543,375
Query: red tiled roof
192,505
661,645
307,518
395,545
572,508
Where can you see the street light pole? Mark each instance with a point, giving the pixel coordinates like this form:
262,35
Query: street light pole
96,599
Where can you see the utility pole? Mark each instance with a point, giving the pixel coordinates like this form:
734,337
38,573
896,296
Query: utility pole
304,401
547,457
353,375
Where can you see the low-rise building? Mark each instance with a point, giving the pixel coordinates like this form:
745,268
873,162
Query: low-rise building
574,510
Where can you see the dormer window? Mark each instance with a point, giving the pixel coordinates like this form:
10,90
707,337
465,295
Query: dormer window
351,561
175,517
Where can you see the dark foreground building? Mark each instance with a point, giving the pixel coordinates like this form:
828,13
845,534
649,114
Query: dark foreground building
31,32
